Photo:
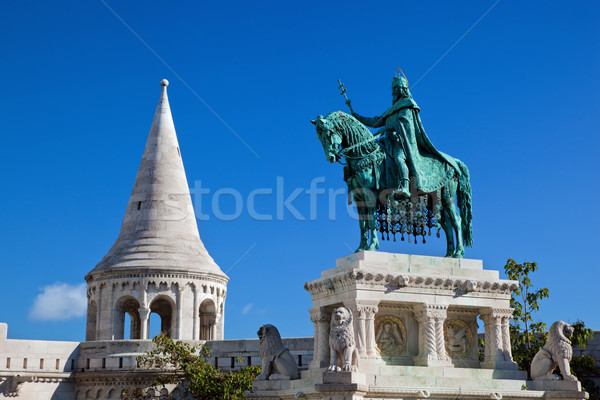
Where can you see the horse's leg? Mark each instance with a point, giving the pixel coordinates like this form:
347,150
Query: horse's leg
448,203
447,226
369,206
373,227
362,220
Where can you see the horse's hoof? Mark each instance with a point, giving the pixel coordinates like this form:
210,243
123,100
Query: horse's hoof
359,250
458,254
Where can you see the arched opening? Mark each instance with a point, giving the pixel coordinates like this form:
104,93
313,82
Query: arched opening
127,326
90,326
163,306
154,325
130,306
208,318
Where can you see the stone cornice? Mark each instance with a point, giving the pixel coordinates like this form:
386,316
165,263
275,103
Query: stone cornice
153,276
376,280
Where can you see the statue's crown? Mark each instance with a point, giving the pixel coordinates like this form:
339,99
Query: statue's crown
400,81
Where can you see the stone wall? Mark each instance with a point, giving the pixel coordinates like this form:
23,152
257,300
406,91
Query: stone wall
52,370
45,370
37,369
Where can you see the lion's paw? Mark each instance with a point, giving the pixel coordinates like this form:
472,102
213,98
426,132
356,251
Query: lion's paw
333,368
261,377
570,378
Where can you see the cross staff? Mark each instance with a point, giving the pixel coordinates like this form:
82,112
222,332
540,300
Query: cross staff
343,93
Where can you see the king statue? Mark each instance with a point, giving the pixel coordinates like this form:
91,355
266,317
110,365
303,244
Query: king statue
405,140
400,182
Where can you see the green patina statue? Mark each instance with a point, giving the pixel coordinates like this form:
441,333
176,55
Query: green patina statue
400,182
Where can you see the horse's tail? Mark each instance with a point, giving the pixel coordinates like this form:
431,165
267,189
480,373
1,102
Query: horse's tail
463,195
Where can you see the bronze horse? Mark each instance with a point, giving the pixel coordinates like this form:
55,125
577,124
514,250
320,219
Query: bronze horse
344,137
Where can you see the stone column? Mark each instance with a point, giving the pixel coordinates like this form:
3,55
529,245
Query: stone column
144,317
215,327
111,314
432,346
179,306
196,315
99,321
370,311
320,320
358,314
497,354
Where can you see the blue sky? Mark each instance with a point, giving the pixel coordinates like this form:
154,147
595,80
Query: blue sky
516,99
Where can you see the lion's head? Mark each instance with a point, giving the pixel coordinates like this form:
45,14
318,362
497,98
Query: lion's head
558,342
270,340
341,318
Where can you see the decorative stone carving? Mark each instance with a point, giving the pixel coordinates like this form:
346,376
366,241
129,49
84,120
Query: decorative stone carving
458,338
342,346
432,349
557,351
330,286
320,320
390,335
497,353
277,362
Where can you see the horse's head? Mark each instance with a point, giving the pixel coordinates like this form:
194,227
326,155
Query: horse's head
329,137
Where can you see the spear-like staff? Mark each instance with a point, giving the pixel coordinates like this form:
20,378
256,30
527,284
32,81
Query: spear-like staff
343,93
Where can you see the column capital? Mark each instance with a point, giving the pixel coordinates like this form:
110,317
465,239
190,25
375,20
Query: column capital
492,312
144,312
319,315
427,311
363,308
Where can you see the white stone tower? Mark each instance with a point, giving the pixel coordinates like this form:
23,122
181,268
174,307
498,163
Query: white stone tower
158,263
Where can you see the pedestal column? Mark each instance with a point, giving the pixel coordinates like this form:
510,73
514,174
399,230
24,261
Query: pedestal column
320,320
363,314
497,353
432,347
370,311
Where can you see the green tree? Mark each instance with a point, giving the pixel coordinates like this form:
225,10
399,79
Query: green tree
527,336
584,366
182,364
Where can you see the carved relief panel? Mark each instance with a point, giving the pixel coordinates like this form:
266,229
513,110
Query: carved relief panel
460,337
390,335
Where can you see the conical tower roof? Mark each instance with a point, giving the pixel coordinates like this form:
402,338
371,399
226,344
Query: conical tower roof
159,231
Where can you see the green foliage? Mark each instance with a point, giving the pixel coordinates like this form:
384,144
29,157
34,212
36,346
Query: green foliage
584,367
189,368
525,300
581,334
527,336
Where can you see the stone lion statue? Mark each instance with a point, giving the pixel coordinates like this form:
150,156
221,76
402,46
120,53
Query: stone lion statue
557,351
277,362
342,346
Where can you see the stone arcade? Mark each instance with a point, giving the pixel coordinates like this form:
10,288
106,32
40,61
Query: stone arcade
415,317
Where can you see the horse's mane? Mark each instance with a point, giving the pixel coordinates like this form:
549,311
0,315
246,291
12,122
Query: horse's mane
353,133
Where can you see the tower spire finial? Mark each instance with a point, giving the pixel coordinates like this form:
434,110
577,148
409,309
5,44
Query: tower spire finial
159,229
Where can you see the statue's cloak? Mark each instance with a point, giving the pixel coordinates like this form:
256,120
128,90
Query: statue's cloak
430,169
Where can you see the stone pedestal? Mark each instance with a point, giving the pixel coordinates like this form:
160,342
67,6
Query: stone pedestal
415,328
416,310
